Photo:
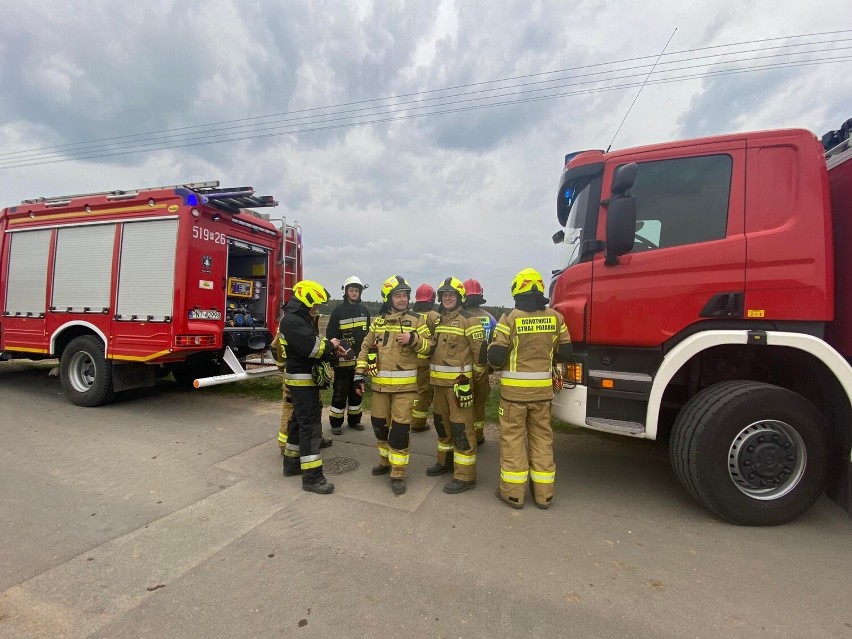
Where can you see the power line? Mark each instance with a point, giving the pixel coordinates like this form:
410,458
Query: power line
431,91
23,156
449,111
157,144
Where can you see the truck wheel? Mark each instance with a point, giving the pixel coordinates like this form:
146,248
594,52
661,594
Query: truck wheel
753,453
85,373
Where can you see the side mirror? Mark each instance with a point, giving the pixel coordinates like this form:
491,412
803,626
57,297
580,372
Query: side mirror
620,228
623,178
558,237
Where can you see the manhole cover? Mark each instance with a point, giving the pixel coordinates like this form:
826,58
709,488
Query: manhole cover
339,465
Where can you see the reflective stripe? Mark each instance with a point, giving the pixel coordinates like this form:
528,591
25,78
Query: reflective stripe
361,363
464,460
502,328
445,448
353,322
395,378
479,425
420,414
451,330
282,437
336,412
542,478
383,451
477,368
291,450
475,331
423,329
397,459
391,329
344,363
526,375
434,375
310,461
317,349
451,369
526,383
512,477
299,379
353,410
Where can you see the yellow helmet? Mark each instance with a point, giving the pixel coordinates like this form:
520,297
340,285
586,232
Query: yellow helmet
527,281
452,285
393,284
310,293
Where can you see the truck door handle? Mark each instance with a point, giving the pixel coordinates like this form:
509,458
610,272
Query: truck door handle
724,305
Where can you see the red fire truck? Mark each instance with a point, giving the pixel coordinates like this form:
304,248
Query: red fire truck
706,286
124,286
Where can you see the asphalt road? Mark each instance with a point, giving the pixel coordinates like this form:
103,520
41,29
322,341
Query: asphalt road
166,515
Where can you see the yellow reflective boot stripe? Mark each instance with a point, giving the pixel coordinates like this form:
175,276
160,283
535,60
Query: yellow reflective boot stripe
311,463
420,414
479,425
512,477
542,478
445,448
282,438
383,452
464,460
397,459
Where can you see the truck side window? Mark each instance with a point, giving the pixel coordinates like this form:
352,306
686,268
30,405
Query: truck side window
681,201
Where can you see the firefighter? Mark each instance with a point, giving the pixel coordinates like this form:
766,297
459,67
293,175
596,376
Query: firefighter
308,356
389,357
348,323
280,355
424,305
474,299
456,363
526,341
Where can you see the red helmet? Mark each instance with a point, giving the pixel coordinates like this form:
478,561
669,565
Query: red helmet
472,287
424,293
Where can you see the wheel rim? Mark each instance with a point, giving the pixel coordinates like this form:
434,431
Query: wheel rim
767,459
81,371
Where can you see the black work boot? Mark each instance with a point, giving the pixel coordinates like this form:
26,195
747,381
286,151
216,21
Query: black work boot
321,487
325,442
292,467
420,429
439,469
380,470
458,486
398,485
356,426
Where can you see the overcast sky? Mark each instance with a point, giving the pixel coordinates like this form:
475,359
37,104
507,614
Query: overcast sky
470,193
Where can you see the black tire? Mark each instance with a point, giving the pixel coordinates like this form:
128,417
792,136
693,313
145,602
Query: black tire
752,453
84,372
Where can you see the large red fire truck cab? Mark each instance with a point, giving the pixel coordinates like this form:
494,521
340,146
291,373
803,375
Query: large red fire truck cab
706,286
124,286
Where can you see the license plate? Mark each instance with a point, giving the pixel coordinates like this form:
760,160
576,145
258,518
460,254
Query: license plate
204,315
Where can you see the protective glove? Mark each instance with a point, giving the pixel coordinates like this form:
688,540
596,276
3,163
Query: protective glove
558,378
463,392
359,382
373,361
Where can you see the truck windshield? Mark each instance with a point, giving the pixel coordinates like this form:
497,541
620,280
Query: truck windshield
574,202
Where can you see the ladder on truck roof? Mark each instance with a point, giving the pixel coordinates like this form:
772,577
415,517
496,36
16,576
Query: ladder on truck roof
230,200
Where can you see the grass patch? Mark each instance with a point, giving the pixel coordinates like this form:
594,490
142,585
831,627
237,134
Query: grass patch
269,389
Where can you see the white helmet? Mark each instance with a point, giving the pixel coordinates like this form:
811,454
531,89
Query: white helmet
353,280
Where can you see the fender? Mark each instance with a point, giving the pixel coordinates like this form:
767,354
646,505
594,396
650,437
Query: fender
694,344
88,325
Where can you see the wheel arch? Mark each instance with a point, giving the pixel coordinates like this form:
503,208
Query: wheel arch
63,335
814,357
